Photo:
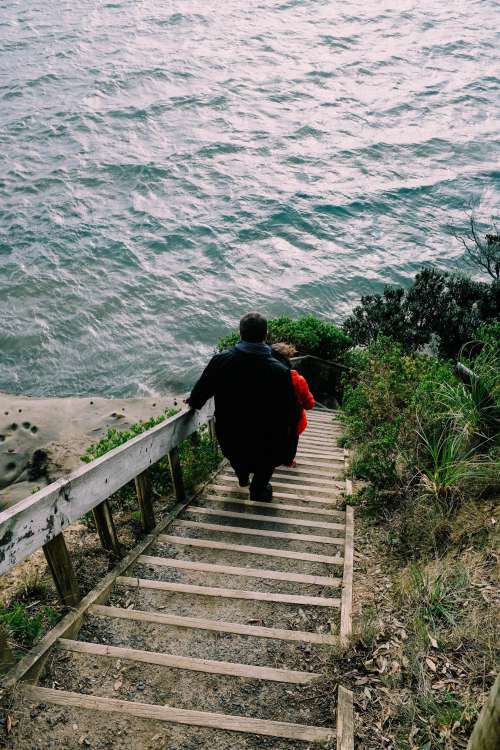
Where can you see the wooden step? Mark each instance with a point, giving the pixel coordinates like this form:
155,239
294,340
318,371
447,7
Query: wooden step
281,507
269,575
277,482
172,715
320,463
188,663
248,531
265,551
243,492
285,520
216,626
312,483
307,470
225,593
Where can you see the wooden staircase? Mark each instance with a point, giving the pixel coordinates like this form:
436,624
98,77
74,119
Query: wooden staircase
230,603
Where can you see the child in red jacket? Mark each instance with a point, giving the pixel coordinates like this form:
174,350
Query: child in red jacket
284,352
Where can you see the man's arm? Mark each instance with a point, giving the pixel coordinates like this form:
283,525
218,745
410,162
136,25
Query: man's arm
204,388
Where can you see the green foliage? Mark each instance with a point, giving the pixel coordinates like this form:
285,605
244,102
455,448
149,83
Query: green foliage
423,440
26,628
115,438
309,335
447,308
436,600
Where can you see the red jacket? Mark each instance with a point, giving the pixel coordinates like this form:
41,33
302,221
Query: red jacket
304,397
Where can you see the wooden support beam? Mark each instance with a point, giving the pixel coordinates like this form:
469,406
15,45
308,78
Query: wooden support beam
176,471
105,526
212,432
346,607
345,720
486,732
215,626
189,663
7,658
179,715
58,559
144,490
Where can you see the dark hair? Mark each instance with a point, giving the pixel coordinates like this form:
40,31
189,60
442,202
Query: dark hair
253,328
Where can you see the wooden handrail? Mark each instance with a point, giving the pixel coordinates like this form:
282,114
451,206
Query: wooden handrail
37,520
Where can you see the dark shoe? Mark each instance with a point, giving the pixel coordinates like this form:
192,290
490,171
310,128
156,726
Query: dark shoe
244,480
262,496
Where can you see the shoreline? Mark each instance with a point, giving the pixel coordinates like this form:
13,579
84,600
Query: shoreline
42,439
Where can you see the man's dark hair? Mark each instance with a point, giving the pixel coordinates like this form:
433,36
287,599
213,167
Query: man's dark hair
253,328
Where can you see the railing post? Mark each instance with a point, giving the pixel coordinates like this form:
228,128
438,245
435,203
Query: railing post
57,556
144,490
106,528
176,471
213,435
486,733
7,658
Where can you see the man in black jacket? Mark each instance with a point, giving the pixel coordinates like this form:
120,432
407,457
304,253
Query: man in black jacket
256,411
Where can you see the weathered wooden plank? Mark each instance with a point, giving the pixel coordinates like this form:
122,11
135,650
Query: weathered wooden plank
345,720
346,608
176,472
238,492
285,520
277,482
486,732
191,664
247,531
216,626
105,526
225,593
311,482
179,715
265,551
59,562
271,575
274,507
144,490
31,523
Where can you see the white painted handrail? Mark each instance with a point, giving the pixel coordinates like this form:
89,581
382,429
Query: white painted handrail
33,522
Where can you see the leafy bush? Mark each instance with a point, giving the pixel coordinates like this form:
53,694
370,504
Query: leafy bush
449,308
309,335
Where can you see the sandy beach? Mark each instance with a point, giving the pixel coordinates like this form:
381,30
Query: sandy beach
43,439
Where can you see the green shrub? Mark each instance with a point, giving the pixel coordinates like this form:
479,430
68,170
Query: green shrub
309,335
447,307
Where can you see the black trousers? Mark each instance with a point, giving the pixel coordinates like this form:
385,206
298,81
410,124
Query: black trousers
261,474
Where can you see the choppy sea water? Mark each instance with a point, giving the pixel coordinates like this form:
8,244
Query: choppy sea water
166,166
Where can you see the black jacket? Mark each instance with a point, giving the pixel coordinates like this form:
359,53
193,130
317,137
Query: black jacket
256,410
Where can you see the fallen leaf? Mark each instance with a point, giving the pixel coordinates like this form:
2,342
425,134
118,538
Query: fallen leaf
431,664
118,684
8,724
433,641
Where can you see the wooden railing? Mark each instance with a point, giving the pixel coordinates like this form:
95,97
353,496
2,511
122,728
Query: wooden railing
38,521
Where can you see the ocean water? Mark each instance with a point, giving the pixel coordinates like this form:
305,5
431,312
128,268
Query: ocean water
167,166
